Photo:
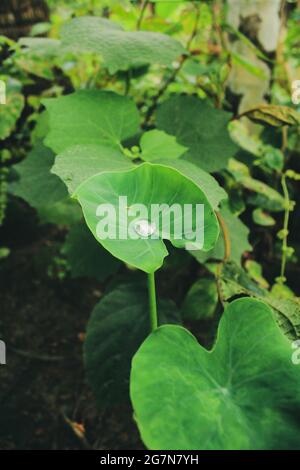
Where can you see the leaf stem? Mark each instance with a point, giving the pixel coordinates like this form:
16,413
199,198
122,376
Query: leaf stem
227,253
152,301
141,16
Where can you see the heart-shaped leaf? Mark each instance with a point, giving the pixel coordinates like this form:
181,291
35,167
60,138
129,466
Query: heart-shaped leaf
90,117
147,184
244,394
118,325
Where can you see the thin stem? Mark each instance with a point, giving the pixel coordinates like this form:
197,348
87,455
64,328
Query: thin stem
141,16
285,226
152,301
227,243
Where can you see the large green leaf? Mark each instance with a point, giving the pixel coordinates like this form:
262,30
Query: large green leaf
209,185
86,257
119,49
157,144
244,394
146,184
201,128
238,235
118,325
37,185
90,117
79,162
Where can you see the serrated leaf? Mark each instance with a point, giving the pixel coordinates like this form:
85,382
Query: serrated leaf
157,145
118,325
37,185
119,49
201,128
146,184
79,162
244,394
86,257
90,117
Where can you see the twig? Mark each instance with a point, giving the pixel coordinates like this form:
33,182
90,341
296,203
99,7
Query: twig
175,72
285,228
141,16
37,356
78,432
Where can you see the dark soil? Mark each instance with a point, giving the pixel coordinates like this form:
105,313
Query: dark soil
44,398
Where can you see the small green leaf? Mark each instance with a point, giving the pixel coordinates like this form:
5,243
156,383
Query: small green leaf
265,197
157,144
244,394
118,325
273,158
254,270
260,217
146,184
201,300
90,117
201,128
